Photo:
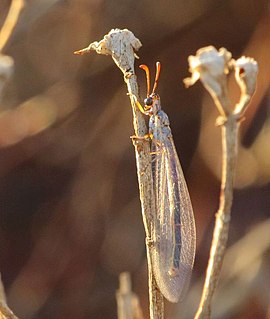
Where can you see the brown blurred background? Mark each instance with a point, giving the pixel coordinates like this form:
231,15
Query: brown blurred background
70,211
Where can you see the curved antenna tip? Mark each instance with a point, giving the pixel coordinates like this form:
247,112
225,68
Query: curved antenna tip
158,67
147,72
144,67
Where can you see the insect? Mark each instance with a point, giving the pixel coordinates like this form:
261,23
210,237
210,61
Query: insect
174,234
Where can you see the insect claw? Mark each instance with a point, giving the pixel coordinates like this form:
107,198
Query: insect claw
138,104
128,74
155,152
146,137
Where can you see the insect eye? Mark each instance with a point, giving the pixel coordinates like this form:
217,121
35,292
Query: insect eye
148,101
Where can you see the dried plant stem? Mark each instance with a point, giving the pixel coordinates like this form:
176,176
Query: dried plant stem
128,306
10,22
6,68
220,236
5,312
212,67
120,44
144,172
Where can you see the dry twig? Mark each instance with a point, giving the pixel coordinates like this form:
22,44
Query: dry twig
10,21
6,62
211,67
5,312
121,44
6,70
128,306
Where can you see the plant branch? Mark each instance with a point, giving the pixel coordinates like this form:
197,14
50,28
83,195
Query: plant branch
220,235
121,44
5,312
10,22
211,67
128,306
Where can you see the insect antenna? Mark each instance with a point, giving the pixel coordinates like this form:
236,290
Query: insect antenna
146,69
158,66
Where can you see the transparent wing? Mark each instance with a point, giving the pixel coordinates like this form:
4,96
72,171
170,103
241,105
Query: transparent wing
174,234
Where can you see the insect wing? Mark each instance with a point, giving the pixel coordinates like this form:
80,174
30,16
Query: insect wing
174,233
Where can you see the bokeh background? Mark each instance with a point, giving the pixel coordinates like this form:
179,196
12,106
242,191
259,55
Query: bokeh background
70,212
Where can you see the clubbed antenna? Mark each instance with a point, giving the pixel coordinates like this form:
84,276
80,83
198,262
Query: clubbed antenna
146,69
158,66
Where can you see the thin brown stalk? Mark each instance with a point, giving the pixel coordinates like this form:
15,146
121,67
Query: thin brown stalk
5,312
10,21
220,235
128,306
211,67
121,44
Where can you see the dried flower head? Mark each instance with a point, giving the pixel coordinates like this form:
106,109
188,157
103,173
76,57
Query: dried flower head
116,43
246,70
6,69
211,67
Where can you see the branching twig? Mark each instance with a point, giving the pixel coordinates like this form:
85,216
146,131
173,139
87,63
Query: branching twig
6,70
127,301
120,44
211,67
10,21
6,62
5,312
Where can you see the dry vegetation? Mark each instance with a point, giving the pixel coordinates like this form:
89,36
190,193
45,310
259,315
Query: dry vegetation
70,212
